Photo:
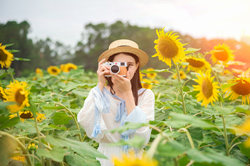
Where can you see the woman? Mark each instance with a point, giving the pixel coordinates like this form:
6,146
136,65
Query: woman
117,99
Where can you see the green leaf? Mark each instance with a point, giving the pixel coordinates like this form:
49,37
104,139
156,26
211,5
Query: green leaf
6,122
127,126
10,44
60,118
191,50
52,107
194,121
222,159
13,51
56,154
75,159
136,142
3,73
171,149
198,156
21,59
227,85
81,148
245,150
155,71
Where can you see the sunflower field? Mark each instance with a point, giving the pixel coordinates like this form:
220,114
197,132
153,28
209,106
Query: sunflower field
202,112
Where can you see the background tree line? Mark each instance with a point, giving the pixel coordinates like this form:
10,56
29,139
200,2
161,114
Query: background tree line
95,39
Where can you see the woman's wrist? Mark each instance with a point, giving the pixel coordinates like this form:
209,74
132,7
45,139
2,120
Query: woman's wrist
130,102
100,85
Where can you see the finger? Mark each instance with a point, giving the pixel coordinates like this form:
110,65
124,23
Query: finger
105,73
102,61
128,75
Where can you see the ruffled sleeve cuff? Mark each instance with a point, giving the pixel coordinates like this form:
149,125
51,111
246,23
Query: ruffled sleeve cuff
136,116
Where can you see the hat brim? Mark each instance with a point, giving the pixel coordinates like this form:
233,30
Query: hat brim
143,57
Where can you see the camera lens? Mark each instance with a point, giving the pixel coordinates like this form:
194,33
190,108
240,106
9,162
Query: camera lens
114,69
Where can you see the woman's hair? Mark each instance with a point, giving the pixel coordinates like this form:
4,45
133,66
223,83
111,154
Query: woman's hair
135,81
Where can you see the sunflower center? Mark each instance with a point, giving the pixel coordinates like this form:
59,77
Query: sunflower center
1,96
19,97
54,70
26,115
70,68
195,63
3,56
207,88
146,85
221,54
242,88
167,48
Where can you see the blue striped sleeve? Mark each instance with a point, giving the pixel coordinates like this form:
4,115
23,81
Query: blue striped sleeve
137,116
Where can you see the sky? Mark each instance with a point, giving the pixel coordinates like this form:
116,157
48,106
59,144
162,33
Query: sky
64,20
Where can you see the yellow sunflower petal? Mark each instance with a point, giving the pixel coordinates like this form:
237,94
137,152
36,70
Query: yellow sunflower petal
6,57
17,92
197,64
67,67
240,87
168,47
131,159
223,53
207,88
53,70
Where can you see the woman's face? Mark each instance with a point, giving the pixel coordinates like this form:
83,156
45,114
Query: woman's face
132,66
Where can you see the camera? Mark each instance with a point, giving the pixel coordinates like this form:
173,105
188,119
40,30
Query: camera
117,68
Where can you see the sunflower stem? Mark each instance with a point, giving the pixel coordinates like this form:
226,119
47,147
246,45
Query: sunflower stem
12,77
188,136
223,119
181,89
225,132
39,138
77,125
25,152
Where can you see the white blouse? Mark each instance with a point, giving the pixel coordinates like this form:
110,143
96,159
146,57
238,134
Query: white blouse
104,111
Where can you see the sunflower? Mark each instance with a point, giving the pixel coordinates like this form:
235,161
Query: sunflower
151,75
146,84
53,70
131,159
240,87
247,142
23,115
5,57
2,94
39,72
222,53
67,67
26,114
17,92
155,82
245,73
182,75
19,158
40,117
32,146
197,64
168,47
244,129
207,88
141,75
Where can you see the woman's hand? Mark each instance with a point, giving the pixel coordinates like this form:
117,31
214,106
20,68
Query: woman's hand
121,83
101,71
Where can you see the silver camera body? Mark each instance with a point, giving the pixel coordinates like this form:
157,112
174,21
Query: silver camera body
117,68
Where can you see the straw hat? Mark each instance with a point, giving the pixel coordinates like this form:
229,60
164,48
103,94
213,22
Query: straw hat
125,45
